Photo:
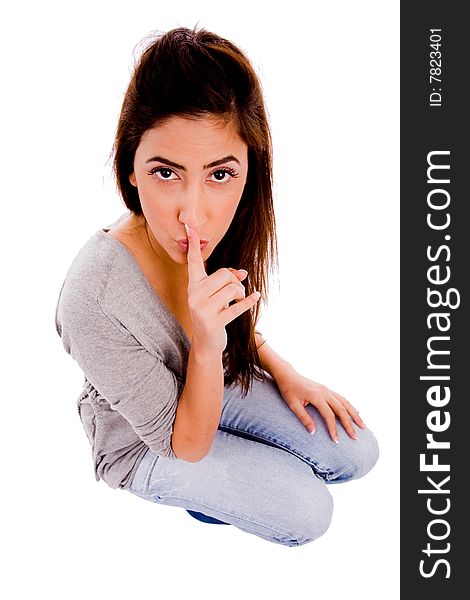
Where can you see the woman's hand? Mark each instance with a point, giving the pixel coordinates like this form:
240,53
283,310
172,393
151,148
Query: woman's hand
298,391
209,298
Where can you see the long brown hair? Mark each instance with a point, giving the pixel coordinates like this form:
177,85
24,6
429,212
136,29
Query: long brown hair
195,73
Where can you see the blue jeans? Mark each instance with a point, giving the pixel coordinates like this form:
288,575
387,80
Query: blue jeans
264,474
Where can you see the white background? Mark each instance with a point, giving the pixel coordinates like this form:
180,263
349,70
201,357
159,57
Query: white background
330,75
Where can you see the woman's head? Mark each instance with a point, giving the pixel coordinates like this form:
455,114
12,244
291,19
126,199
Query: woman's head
191,74
195,81
188,171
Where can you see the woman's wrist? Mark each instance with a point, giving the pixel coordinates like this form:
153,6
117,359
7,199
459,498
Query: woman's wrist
282,371
203,353
276,366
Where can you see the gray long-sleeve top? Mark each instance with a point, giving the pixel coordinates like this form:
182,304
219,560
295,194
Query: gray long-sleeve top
132,351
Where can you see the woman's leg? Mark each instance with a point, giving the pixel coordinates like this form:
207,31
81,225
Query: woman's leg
258,488
258,473
264,416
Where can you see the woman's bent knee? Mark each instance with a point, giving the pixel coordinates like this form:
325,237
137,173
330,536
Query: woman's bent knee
316,523
356,457
369,453
308,518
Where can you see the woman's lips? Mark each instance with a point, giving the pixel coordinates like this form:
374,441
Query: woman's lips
183,244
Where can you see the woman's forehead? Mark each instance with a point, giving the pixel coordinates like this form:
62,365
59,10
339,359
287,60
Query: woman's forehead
191,137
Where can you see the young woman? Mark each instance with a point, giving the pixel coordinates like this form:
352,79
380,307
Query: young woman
184,404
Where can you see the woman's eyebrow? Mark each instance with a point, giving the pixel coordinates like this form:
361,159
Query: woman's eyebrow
215,163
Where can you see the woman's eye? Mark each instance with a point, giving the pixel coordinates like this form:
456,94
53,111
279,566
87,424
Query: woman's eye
164,173
220,174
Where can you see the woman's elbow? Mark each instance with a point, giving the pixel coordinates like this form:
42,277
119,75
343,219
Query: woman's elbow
187,451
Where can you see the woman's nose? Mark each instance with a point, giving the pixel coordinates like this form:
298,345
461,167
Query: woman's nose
193,211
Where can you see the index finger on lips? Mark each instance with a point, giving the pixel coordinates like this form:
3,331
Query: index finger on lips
196,270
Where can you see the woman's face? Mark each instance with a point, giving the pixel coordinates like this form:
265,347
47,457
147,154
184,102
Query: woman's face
189,171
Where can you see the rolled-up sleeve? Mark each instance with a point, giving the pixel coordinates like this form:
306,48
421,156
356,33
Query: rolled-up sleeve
134,380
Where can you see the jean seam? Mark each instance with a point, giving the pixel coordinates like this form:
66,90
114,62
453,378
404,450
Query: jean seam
149,475
202,507
323,474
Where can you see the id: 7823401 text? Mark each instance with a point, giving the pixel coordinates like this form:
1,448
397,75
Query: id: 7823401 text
435,67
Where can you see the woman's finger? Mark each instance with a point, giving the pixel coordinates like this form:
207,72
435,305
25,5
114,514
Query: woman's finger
235,310
304,417
352,411
344,416
216,281
196,269
230,292
329,418
239,273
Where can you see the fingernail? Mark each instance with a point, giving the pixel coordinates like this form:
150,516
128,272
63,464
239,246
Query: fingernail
336,440
312,432
354,436
362,425
187,229
257,294
245,273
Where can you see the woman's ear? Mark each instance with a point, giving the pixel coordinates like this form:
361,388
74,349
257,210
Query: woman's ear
132,179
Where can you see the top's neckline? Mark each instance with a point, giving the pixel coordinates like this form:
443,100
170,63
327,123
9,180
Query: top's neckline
124,250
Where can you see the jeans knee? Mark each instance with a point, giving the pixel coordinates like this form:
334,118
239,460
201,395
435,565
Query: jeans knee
365,453
317,521
309,519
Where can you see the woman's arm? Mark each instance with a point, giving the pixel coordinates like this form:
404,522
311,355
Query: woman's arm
298,391
271,362
199,406
200,403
